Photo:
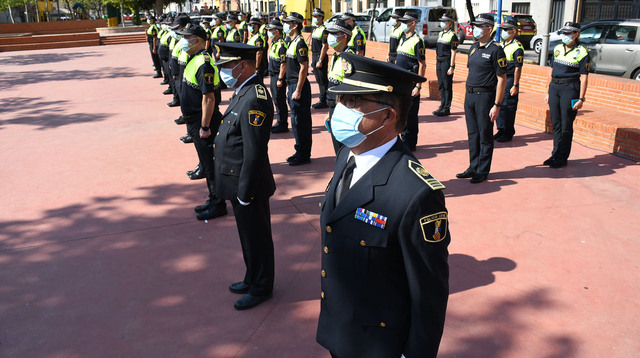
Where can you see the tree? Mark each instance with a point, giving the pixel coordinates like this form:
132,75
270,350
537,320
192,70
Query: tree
470,10
8,4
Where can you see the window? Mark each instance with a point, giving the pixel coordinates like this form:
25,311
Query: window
521,7
591,34
621,34
386,15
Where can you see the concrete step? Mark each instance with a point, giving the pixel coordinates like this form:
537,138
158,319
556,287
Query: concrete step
122,39
49,45
38,39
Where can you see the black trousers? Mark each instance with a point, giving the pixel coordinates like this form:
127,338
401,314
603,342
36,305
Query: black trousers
156,59
410,134
166,71
445,83
477,106
301,119
562,116
279,96
507,117
322,76
254,228
204,148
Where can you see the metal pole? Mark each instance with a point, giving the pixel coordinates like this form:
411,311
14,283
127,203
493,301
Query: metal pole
121,13
499,28
544,52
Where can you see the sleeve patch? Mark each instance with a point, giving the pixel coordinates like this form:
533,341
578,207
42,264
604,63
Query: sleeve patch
423,174
261,92
422,51
302,52
359,42
256,118
588,66
209,78
520,59
434,227
502,62
283,58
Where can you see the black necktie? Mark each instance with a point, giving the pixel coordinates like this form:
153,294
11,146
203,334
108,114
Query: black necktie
346,179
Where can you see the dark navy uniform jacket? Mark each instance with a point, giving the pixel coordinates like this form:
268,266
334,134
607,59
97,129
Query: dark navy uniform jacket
242,163
384,290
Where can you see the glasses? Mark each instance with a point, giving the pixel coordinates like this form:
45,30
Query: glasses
351,101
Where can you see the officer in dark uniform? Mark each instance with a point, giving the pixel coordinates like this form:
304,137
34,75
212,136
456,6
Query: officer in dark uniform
485,88
164,53
257,39
243,27
152,36
233,34
446,50
277,74
411,57
385,233
243,171
320,59
200,100
567,91
299,89
514,52
394,36
358,42
181,21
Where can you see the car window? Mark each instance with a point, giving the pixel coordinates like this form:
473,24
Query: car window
508,18
386,15
592,34
436,14
524,18
362,18
621,34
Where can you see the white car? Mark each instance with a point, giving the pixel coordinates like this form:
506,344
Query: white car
536,41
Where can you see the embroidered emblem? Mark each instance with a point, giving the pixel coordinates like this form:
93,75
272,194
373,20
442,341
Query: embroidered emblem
371,218
519,59
261,92
556,53
302,52
502,62
347,67
209,78
423,174
359,42
422,51
256,118
434,227
588,66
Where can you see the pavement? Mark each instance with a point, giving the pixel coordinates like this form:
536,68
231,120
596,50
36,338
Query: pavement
101,254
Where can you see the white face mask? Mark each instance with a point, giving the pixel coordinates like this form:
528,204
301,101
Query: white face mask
404,27
226,75
443,25
286,28
332,40
393,22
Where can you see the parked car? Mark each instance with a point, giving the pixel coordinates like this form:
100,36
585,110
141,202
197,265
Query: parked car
428,26
527,27
361,20
536,41
614,47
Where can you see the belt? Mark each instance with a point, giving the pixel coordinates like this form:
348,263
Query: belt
442,59
565,80
192,118
480,89
273,73
292,82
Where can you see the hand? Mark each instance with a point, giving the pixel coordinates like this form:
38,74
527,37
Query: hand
546,98
415,92
155,51
388,59
296,95
450,71
578,105
319,64
279,83
205,134
514,91
493,114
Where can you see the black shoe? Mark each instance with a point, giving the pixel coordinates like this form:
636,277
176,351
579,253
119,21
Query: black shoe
437,111
443,112
504,138
249,301
180,120
167,91
320,105
295,160
211,213
466,174
186,139
239,287
200,208
189,172
173,104
557,163
498,134
280,129
549,161
158,75
199,174
165,82
478,178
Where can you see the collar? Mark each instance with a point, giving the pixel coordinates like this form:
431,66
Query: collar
565,48
243,83
366,160
486,45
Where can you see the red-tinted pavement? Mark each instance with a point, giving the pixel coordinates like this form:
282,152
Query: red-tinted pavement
101,254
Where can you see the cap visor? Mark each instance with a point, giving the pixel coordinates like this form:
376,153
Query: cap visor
344,88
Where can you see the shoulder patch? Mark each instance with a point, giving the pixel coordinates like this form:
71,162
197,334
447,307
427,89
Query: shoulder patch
256,118
434,227
421,51
209,78
588,66
261,92
502,62
359,42
519,59
423,174
556,53
302,52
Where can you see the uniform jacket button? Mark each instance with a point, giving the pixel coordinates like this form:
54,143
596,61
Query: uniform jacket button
323,295
324,273
328,228
325,249
363,243
382,324
231,171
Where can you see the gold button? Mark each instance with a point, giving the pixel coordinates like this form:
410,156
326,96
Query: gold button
325,249
229,122
324,273
363,243
214,145
382,324
323,295
232,171
320,204
218,133
328,228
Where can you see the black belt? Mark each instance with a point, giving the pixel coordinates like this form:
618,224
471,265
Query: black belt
442,59
292,82
192,118
273,73
480,89
565,80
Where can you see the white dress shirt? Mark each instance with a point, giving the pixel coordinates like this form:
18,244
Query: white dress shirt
366,160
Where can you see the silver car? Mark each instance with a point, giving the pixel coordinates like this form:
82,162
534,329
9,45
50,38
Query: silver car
362,20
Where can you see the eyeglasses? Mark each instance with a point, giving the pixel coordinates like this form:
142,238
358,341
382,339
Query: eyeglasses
351,101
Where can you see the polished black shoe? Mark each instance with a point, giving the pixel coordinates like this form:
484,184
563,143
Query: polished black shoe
189,172
239,287
200,208
180,120
557,163
478,178
158,75
167,91
165,82
211,213
466,174
437,111
548,161
186,139
199,174
504,138
279,129
173,104
444,112
320,105
295,160
249,301
498,134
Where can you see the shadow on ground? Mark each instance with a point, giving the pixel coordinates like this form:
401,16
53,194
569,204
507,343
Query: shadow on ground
42,114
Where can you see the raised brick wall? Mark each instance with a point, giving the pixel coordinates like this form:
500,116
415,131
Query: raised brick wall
54,27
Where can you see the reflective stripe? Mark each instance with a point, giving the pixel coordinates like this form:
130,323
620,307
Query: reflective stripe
317,32
190,72
511,48
355,32
407,47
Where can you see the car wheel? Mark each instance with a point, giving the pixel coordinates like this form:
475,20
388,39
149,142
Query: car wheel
636,75
537,46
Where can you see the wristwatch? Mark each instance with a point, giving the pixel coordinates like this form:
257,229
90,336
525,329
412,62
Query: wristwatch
497,105
204,128
583,99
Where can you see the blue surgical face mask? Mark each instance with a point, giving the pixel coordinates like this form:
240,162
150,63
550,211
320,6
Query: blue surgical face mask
226,75
314,21
443,25
567,39
393,22
345,122
332,40
175,35
270,34
477,32
228,26
504,34
187,45
148,21
286,28
404,27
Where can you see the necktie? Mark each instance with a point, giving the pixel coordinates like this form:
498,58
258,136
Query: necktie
346,179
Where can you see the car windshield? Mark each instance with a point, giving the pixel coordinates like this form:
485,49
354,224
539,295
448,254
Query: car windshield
524,18
436,14
591,34
362,18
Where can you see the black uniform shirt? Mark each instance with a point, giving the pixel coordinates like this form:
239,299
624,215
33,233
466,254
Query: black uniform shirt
278,57
572,63
191,97
297,53
518,56
485,63
444,47
410,52
316,43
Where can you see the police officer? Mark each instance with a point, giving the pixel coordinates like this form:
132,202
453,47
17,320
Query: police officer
384,274
567,91
152,36
263,27
394,36
485,88
257,39
411,57
277,74
233,34
243,171
358,40
219,30
299,89
243,27
320,59
164,53
200,99
446,50
206,25
514,52
338,38
181,21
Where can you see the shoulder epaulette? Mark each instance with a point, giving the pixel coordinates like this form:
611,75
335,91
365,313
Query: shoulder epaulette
423,174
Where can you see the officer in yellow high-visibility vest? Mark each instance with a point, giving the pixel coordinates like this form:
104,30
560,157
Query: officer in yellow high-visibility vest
277,74
394,36
515,57
256,39
181,21
243,26
152,36
446,50
233,34
164,53
319,58
567,91
358,40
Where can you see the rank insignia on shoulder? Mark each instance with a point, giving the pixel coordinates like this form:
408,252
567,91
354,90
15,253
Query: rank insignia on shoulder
256,118
434,227
423,174
371,218
261,92
472,52
328,185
